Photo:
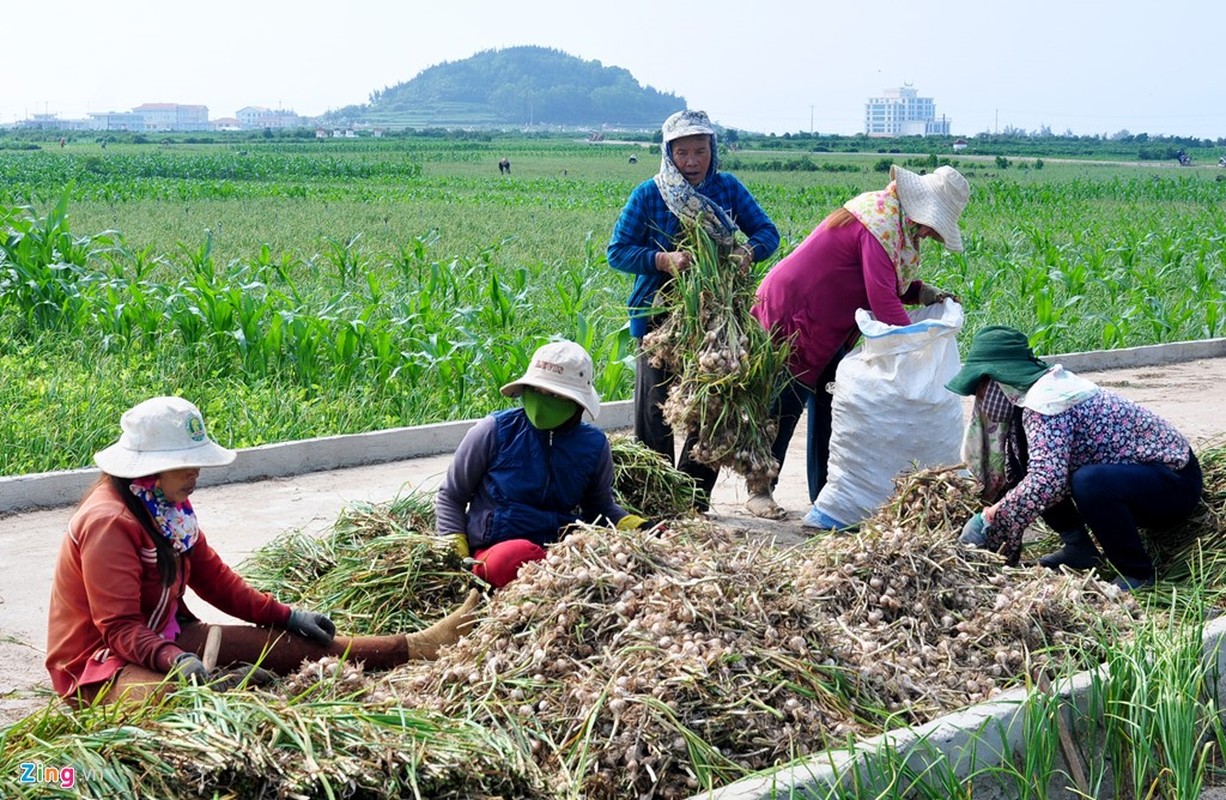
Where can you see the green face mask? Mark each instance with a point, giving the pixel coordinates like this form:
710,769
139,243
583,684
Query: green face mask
546,412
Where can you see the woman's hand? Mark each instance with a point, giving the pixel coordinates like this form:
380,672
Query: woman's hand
311,625
975,531
190,668
673,261
931,295
743,256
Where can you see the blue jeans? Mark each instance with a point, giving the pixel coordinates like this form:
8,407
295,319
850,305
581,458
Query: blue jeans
1113,499
819,406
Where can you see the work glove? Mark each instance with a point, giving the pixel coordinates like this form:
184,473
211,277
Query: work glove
460,542
240,674
931,295
975,531
630,522
190,668
633,522
311,625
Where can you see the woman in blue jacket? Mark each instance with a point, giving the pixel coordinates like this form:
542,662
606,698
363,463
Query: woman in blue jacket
690,187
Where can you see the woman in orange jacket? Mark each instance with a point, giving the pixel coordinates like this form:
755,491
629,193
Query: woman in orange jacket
117,623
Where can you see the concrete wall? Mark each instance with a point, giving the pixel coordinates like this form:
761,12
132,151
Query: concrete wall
52,489
972,741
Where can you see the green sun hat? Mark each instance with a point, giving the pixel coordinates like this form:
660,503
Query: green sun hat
1002,354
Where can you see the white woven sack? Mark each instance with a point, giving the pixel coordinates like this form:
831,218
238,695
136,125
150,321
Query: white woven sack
892,412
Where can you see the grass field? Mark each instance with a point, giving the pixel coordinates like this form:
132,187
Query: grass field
303,288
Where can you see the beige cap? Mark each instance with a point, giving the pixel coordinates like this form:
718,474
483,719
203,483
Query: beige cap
563,368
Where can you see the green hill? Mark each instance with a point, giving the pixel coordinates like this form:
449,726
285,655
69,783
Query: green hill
517,86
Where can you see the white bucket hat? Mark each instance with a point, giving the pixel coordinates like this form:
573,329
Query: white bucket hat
563,368
935,200
160,434
686,123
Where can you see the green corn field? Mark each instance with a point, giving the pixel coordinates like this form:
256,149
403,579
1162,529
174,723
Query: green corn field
296,288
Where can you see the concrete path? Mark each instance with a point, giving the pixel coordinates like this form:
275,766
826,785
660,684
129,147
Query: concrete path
241,517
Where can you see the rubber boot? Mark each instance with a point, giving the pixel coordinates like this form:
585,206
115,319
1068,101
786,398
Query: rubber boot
1078,552
424,645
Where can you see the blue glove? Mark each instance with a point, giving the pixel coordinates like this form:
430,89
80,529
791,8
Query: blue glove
311,625
190,668
975,531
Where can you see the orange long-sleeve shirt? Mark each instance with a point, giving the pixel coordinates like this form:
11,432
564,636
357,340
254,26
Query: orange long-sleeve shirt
109,607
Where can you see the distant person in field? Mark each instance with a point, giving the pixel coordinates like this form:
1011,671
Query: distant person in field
117,624
522,476
504,166
1094,465
689,185
865,254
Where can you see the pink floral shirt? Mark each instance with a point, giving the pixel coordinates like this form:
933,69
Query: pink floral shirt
1105,429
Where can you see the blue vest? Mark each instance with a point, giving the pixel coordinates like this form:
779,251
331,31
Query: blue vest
537,479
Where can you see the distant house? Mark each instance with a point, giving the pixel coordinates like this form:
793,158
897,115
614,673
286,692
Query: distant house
259,117
320,133
116,121
226,124
52,122
960,145
173,117
902,112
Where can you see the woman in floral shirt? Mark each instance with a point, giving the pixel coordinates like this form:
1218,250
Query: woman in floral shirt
1120,464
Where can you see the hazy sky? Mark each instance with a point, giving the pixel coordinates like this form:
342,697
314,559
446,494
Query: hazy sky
763,65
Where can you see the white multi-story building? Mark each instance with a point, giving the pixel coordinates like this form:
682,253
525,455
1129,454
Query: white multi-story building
116,121
256,117
173,117
902,112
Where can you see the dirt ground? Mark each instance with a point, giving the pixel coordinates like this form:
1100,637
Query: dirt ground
239,519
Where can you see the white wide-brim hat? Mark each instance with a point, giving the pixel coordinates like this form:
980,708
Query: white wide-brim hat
160,434
563,368
935,200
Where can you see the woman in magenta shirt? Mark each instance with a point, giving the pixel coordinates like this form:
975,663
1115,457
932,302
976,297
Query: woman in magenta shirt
864,255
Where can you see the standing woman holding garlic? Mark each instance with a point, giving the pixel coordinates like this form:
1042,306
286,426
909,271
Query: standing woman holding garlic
865,254
689,187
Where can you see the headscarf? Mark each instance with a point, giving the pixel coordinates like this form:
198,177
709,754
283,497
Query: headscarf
985,442
1057,391
881,213
175,521
993,428
687,204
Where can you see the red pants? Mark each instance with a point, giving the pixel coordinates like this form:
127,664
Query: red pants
500,563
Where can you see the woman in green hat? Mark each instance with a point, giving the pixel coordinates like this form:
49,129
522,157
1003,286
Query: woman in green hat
1085,459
